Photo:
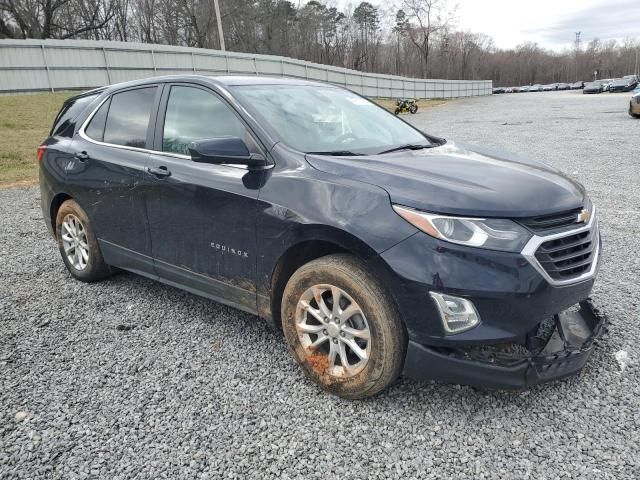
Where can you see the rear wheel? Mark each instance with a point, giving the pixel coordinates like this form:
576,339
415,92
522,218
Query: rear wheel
413,108
634,115
342,327
78,244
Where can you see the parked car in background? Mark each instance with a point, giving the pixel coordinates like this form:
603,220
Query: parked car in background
593,87
577,85
634,103
605,82
377,249
522,89
549,88
563,86
508,90
498,90
625,84
535,88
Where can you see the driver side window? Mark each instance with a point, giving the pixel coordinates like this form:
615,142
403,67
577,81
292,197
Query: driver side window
195,114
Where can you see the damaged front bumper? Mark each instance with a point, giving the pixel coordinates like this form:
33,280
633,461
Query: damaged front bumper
557,349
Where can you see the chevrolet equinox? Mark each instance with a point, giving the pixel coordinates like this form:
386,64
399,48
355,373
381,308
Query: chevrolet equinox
376,248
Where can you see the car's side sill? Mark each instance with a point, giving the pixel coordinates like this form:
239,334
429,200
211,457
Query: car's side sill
201,293
194,291
126,259
225,293
184,279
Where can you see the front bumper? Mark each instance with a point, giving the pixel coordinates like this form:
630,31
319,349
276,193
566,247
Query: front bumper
558,354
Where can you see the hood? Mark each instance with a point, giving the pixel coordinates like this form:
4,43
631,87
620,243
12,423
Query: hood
462,180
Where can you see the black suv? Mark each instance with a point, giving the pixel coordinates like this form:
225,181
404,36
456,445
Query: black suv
376,248
624,84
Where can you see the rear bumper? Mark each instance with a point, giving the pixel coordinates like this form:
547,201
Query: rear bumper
563,353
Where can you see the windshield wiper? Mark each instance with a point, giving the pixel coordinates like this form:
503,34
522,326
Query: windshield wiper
337,153
408,146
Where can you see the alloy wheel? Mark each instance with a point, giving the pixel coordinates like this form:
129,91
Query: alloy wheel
74,242
333,331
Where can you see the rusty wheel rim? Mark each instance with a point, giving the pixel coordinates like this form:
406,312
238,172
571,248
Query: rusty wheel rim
333,331
74,242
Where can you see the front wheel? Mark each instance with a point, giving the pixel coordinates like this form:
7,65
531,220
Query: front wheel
78,244
413,108
341,326
634,115
396,111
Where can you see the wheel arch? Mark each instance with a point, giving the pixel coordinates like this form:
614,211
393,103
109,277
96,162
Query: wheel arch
310,244
56,202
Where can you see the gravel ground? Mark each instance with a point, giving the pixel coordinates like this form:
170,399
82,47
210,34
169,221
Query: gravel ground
132,379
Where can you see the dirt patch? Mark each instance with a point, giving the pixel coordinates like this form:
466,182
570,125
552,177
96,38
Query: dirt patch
20,184
319,362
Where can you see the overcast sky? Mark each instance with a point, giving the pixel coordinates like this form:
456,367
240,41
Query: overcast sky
550,23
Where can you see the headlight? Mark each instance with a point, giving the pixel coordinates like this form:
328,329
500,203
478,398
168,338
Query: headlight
490,233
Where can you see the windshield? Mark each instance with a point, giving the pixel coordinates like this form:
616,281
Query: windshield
326,119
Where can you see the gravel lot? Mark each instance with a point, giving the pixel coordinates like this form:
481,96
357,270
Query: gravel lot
132,379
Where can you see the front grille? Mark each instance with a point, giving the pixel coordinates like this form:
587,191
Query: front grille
569,257
557,221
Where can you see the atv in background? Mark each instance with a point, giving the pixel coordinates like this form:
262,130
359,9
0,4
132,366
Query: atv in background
404,105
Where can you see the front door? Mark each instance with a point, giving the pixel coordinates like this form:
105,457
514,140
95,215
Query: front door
106,176
202,217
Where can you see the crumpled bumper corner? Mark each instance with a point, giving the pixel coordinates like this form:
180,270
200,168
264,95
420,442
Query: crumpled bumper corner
563,353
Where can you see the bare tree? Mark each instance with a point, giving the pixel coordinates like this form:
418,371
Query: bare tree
57,18
419,39
425,19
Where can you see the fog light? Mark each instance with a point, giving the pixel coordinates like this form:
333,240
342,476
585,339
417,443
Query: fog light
457,314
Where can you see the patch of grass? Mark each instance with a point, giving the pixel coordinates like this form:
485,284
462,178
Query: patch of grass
25,121
390,104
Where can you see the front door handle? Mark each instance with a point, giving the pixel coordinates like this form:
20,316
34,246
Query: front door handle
160,172
82,156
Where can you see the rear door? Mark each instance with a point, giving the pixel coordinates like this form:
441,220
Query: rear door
107,177
202,217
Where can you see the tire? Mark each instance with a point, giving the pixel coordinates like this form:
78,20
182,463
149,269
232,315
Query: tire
377,316
396,111
414,109
87,267
634,115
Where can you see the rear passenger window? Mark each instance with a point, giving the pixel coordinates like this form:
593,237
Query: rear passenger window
194,114
95,129
128,117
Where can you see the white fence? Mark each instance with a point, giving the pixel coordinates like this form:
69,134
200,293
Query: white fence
50,65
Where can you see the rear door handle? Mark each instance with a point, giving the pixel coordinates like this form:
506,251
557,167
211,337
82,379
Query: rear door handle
82,156
160,172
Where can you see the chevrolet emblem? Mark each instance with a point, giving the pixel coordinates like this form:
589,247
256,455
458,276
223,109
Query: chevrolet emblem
584,216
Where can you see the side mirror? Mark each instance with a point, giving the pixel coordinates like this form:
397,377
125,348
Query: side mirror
229,150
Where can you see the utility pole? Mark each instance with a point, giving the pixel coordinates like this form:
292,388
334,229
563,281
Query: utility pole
219,21
577,51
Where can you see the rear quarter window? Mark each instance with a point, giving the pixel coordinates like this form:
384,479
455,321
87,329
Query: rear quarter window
95,129
68,113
